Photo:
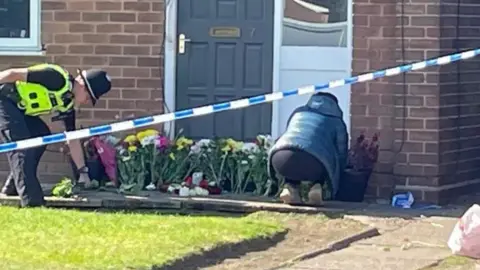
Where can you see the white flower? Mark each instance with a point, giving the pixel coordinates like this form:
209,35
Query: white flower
201,191
184,192
251,157
244,162
195,149
192,192
201,145
148,140
250,147
204,142
173,187
150,186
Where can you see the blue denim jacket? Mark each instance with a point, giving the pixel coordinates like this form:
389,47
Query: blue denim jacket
317,128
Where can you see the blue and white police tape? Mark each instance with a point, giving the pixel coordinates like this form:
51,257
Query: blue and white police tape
231,105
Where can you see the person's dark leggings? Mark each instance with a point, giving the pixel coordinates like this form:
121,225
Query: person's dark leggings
14,126
296,166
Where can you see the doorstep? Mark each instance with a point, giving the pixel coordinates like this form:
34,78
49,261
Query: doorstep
228,203
154,200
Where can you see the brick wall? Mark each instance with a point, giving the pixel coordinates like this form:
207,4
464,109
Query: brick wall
124,37
428,125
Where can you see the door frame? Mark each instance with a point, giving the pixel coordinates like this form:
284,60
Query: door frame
170,59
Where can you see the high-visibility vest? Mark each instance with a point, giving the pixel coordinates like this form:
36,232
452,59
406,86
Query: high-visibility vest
36,100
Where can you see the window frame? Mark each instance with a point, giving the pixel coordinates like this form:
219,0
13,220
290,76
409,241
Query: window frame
31,44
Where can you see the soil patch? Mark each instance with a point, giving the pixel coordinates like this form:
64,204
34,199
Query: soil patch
305,234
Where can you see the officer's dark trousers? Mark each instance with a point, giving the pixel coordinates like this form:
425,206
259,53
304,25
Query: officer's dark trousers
14,126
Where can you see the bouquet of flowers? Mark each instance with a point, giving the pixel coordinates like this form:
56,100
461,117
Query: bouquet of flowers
245,165
131,165
179,166
258,157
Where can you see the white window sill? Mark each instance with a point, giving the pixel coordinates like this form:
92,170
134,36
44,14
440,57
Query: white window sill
6,52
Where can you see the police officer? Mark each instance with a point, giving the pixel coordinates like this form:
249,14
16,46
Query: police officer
27,93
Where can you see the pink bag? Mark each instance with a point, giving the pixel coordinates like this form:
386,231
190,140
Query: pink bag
107,154
465,238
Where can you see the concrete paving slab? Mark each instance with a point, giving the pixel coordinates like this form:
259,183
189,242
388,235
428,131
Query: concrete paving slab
382,224
367,257
427,232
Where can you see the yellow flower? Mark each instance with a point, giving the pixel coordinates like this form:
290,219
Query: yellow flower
233,145
147,133
226,148
171,156
132,148
130,139
183,142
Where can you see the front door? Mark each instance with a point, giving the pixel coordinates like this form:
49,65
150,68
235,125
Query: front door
227,55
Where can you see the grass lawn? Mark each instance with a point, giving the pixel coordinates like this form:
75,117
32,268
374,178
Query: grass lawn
64,239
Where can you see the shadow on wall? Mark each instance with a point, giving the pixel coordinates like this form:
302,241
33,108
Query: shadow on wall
321,23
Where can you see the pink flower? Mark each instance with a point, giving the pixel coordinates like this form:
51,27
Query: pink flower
162,142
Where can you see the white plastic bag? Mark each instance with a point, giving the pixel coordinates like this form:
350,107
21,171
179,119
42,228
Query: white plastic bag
465,237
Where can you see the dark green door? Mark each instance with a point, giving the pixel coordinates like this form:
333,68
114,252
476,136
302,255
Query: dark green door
228,54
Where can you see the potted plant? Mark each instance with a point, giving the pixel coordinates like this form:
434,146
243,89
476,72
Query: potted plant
362,157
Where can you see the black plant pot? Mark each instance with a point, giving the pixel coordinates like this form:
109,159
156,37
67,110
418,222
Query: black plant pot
353,185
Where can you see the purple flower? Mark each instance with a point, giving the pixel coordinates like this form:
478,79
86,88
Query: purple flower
162,142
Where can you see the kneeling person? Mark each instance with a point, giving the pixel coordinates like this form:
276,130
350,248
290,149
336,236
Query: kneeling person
312,149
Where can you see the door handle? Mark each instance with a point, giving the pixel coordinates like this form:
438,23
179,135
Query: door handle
182,39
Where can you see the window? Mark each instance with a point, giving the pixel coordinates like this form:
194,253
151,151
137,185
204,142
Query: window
320,23
20,25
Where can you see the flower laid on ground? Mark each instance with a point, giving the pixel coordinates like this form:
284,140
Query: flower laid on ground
64,188
148,160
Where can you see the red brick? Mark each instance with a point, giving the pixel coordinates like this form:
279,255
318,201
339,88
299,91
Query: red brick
54,5
123,39
137,50
109,28
95,38
127,61
80,5
81,28
136,94
137,28
137,6
80,49
67,16
122,17
108,5
67,38
95,17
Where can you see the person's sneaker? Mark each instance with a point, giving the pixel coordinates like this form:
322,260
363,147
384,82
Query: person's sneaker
290,195
315,196
9,190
